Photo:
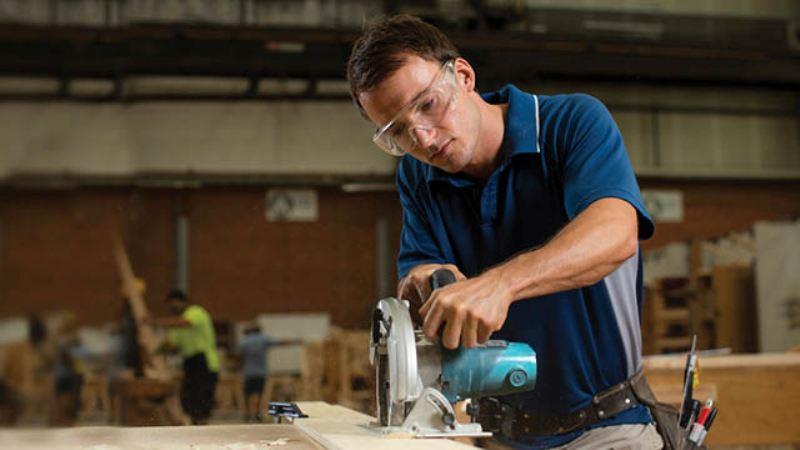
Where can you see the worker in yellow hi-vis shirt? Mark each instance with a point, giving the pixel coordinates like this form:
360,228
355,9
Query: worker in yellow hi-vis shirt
192,334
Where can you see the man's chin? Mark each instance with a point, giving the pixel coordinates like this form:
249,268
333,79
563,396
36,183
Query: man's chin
448,167
448,161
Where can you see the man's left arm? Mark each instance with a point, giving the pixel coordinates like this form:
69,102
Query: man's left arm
607,218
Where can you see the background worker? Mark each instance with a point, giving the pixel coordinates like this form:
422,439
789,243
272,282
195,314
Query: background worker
22,373
191,332
532,202
68,378
253,348
125,362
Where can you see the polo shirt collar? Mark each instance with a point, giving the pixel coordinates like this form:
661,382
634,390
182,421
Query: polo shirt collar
520,132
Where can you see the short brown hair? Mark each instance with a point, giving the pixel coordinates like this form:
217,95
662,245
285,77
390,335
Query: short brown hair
381,50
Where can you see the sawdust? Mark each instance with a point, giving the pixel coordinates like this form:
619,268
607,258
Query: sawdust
260,445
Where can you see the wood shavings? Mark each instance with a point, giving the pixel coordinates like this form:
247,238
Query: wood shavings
280,442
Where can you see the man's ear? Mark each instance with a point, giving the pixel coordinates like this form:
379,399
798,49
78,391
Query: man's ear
465,74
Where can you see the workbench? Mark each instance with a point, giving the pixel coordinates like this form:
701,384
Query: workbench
758,395
327,427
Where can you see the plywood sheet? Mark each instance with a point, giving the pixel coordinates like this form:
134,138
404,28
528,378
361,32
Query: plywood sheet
228,437
777,285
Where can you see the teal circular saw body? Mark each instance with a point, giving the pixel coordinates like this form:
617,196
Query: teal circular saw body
418,381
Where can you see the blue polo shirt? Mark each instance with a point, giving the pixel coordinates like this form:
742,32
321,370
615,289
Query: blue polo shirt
559,154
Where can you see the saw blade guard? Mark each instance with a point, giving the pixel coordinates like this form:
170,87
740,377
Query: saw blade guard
394,329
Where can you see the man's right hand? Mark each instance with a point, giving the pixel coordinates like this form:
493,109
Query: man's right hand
416,286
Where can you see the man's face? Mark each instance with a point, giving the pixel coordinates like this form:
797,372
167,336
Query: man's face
175,306
450,144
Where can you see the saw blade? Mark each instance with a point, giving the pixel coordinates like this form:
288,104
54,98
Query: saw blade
382,390
395,358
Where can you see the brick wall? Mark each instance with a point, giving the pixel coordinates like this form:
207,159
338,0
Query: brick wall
55,252
713,208
55,246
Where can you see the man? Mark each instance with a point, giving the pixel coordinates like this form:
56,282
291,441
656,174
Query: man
68,378
253,348
531,201
192,333
22,373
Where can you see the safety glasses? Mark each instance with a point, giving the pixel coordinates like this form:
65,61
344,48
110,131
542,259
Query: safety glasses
421,115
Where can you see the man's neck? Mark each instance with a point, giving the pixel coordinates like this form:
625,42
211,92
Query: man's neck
490,141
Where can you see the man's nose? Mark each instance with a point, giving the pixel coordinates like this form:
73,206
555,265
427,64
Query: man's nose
424,136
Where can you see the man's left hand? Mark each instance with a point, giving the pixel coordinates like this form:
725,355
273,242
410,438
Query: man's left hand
472,310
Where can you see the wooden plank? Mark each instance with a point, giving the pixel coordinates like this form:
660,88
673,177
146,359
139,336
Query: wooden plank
133,289
328,427
154,366
677,362
758,395
230,437
345,429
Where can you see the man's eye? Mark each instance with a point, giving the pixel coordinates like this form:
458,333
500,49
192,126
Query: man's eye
398,130
427,104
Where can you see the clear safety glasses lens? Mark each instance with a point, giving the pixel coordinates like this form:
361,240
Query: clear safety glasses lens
426,112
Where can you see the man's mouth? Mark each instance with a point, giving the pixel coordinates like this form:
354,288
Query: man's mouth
441,150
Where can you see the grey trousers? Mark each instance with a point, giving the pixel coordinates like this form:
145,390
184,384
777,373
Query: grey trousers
617,437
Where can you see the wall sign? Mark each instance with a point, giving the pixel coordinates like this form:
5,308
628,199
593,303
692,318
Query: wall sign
664,206
292,205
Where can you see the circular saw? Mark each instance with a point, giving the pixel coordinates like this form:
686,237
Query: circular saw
418,381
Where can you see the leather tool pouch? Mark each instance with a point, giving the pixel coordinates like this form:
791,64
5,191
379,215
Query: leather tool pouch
665,415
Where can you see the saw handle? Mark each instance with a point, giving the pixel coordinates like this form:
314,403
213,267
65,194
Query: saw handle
441,278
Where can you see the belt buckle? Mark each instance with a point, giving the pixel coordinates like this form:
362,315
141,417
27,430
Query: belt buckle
608,393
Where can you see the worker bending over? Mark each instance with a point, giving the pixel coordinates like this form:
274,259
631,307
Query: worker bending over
532,202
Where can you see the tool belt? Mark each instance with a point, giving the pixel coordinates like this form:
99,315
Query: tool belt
496,416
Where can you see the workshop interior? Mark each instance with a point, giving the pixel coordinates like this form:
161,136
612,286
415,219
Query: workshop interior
201,246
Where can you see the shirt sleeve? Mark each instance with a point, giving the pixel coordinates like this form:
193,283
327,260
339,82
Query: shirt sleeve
194,315
417,242
595,163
